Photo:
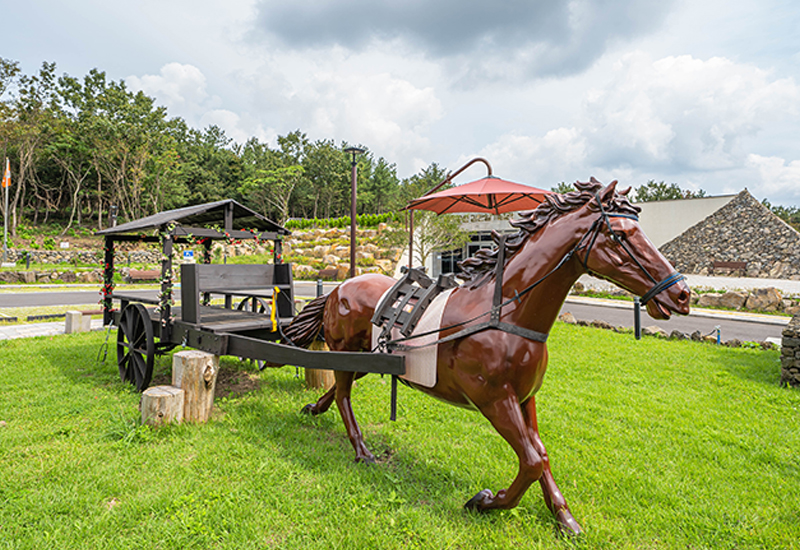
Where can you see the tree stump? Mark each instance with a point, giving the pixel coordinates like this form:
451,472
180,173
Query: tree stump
319,378
195,372
162,405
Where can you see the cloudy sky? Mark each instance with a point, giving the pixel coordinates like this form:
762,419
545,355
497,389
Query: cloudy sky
702,93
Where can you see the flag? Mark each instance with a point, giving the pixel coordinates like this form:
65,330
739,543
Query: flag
7,175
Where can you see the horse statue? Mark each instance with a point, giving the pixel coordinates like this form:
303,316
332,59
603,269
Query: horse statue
497,367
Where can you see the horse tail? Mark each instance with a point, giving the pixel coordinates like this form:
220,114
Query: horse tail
307,325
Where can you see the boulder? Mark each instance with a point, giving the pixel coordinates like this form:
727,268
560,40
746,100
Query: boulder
764,299
655,331
330,259
598,323
709,300
733,300
320,251
27,276
567,317
677,335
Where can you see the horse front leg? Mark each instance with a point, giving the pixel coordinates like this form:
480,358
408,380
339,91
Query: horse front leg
552,495
344,383
506,416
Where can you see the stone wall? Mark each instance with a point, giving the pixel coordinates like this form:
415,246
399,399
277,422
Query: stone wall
790,353
744,230
56,257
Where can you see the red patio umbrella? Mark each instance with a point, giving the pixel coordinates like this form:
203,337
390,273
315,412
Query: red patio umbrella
490,195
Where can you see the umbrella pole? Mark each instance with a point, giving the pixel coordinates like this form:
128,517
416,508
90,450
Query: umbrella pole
410,238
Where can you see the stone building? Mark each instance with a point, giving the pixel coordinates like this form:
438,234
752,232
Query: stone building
743,230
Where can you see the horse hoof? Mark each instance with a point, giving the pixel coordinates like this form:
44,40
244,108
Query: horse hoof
309,409
476,502
368,460
567,524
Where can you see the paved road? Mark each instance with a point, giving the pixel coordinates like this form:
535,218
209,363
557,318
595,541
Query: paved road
303,289
746,328
733,325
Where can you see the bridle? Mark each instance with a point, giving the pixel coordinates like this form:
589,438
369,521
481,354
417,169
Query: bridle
594,232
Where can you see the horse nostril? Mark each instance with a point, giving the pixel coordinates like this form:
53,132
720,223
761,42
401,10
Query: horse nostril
683,297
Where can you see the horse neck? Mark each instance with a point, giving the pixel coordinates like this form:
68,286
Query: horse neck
541,254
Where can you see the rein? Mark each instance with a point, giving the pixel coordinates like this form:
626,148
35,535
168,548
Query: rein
497,303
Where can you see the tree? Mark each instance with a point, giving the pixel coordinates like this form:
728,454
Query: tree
660,191
789,214
562,188
273,188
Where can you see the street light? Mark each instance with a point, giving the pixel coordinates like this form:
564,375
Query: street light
354,151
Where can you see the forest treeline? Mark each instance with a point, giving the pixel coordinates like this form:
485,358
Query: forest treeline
77,146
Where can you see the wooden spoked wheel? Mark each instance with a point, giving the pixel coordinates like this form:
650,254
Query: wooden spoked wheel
136,348
252,303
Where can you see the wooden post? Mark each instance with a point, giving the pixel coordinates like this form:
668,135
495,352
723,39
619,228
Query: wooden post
319,378
162,405
195,372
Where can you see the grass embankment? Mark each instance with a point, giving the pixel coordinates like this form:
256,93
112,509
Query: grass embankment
655,444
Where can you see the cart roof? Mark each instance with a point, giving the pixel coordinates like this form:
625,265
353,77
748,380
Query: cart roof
202,215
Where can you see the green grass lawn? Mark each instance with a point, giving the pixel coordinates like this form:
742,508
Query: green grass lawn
655,444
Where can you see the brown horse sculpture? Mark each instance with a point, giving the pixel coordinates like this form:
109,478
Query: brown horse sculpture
497,372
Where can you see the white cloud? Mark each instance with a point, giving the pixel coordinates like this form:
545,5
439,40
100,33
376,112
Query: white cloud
181,88
776,176
684,112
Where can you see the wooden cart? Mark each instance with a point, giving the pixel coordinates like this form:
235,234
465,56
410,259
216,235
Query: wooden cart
258,300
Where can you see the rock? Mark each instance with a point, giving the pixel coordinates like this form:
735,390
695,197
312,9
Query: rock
342,251
578,287
793,310
26,276
677,335
320,251
696,336
734,343
69,277
764,299
387,266
364,256
655,331
330,259
300,271
382,227
343,272
733,300
602,324
709,300
9,276
567,317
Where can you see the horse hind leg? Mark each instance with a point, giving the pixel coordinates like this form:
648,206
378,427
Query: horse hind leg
506,416
552,495
324,403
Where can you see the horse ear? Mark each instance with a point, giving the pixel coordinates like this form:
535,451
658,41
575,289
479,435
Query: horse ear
625,192
608,192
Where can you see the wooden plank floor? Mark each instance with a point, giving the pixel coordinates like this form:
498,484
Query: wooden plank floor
217,319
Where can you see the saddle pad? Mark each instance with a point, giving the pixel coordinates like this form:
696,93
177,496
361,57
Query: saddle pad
421,363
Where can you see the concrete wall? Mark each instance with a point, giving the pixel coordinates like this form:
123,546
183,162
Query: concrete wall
662,221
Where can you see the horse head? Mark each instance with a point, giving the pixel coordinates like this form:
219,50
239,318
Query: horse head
616,249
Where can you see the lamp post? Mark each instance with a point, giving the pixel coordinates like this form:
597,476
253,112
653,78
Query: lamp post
354,171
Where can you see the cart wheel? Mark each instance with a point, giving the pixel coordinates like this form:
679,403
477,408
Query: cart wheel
252,303
135,346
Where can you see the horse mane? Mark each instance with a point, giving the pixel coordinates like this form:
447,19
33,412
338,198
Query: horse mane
478,269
